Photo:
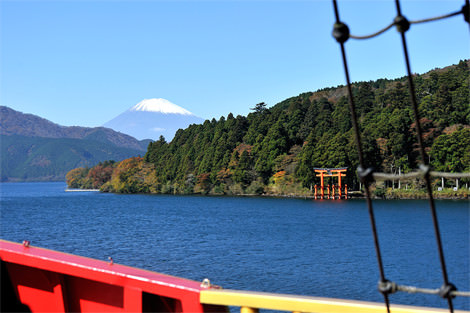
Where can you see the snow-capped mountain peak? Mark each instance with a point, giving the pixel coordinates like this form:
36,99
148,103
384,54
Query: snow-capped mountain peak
152,118
159,105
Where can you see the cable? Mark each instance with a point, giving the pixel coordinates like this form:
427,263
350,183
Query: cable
402,26
426,20
383,30
437,18
341,33
394,287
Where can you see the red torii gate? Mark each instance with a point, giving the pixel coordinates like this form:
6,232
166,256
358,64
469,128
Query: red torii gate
331,172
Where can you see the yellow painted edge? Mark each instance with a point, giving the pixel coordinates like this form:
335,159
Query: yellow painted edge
283,302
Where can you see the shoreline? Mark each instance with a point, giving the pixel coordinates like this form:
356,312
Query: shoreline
416,195
382,194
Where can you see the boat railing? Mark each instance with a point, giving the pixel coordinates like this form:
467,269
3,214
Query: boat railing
251,302
42,280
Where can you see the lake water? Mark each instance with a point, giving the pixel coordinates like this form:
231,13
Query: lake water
319,248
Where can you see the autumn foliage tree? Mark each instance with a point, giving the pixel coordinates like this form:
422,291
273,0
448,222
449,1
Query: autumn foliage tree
100,174
77,178
133,175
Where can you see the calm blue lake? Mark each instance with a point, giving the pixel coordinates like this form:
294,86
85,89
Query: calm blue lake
319,248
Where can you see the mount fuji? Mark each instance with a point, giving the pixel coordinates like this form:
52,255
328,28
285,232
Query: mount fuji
151,118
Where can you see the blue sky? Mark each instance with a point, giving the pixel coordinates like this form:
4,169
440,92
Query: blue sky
85,62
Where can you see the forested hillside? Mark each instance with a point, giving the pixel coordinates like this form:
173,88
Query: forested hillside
35,149
28,125
275,150
49,159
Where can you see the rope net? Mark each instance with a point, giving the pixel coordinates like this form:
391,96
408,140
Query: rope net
367,175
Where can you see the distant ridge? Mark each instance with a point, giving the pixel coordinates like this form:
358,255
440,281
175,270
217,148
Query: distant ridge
17,123
152,118
35,149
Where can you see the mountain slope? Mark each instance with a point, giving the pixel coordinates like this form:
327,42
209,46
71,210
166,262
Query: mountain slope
152,118
17,123
45,159
33,148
